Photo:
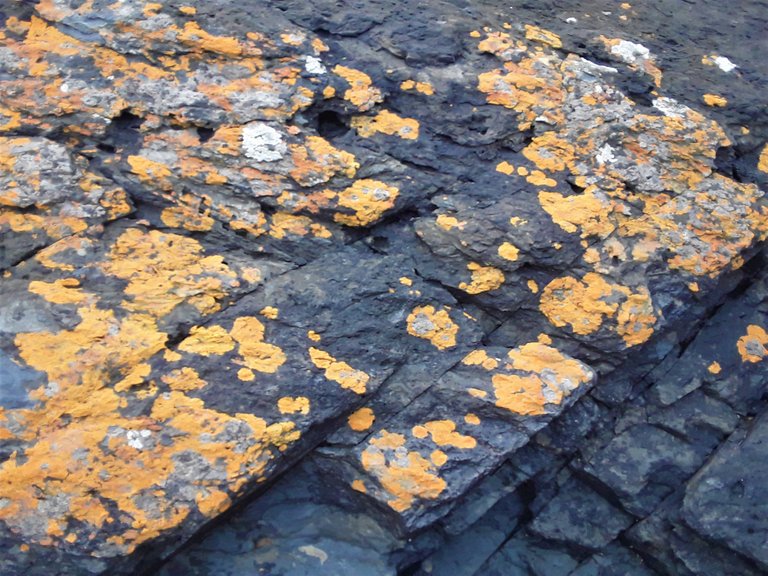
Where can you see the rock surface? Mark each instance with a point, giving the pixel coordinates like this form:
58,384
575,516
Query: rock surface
374,287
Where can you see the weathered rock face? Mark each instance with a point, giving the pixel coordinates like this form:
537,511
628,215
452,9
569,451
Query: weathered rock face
408,238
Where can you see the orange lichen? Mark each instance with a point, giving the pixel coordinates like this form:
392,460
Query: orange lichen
317,161
433,325
369,199
289,405
207,341
403,477
386,122
164,270
448,222
509,251
187,217
480,358
762,162
339,372
753,346
585,304
183,379
256,354
361,420
420,87
269,312
472,419
443,433
714,368
195,36
588,212
542,36
714,100
361,91
484,279
532,87
505,168
62,291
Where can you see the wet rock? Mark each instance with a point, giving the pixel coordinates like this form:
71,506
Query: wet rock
725,502
443,249
579,516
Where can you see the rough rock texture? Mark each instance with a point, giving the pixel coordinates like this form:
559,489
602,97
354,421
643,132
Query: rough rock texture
487,285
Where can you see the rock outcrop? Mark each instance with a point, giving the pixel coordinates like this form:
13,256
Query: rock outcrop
489,294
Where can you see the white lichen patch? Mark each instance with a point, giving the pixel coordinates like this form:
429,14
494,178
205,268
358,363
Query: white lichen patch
137,438
724,64
630,52
314,65
605,155
263,143
670,107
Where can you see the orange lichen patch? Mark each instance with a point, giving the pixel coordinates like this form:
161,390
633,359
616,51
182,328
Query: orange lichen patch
509,251
246,375
542,36
257,355
188,10
213,503
636,318
403,477
719,220
283,223
520,394
550,378
207,341
188,215
269,312
505,168
62,291
443,433
753,345
762,162
369,199
480,358
339,372
194,36
714,368
588,212
714,100
533,286
164,270
448,222
386,122
421,87
80,361
585,304
484,279
551,152
361,91
433,325
438,457
359,486
314,336
151,172
540,358
317,161
500,44
289,405
472,419
361,420
580,304
405,281
183,379
532,87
